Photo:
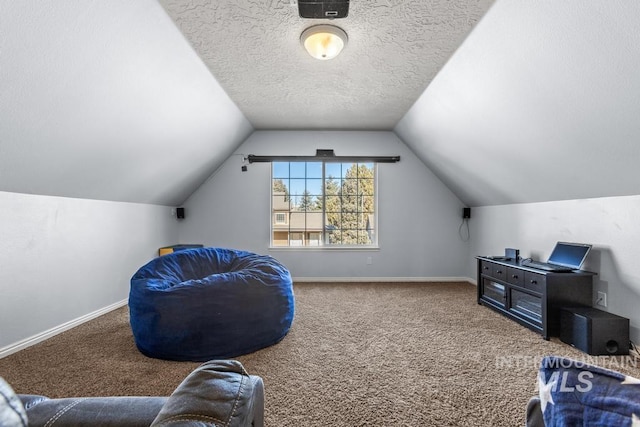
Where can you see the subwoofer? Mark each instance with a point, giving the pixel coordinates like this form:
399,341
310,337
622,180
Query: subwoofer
594,331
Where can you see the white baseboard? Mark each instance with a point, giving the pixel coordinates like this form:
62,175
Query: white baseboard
383,279
35,339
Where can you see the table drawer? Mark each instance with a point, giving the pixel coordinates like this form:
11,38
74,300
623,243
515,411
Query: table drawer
499,272
535,282
515,276
486,268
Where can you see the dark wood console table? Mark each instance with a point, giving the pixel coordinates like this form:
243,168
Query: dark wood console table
529,296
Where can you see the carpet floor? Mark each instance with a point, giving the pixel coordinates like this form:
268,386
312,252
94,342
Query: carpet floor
358,354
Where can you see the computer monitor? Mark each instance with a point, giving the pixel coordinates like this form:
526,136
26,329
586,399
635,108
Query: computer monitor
570,255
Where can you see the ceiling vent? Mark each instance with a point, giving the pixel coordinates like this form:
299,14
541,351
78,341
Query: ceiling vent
328,9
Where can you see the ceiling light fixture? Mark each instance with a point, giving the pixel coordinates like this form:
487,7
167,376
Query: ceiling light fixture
323,41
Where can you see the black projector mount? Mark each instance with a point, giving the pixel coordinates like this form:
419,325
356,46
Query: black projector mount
323,9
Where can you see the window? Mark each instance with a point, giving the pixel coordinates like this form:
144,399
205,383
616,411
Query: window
281,218
323,204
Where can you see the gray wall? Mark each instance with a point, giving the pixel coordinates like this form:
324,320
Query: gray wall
418,216
610,224
64,258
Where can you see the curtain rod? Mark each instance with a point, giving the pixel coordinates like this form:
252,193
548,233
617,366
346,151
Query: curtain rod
327,158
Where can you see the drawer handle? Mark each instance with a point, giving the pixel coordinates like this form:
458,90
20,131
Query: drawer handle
514,276
486,268
498,271
534,282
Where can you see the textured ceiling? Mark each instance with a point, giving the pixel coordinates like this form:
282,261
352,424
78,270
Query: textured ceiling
395,49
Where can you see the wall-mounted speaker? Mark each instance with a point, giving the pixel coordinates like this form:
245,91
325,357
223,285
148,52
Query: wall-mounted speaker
594,331
466,213
180,213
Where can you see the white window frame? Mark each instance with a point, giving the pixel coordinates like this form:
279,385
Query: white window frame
323,245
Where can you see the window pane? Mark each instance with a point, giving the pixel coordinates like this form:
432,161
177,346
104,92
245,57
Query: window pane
314,222
333,204
349,170
365,170
333,170
364,237
296,221
349,220
333,220
314,186
366,204
314,170
297,170
280,202
280,186
366,187
315,239
316,204
349,237
280,169
332,187
349,204
350,186
297,239
297,187
307,202
280,238
334,237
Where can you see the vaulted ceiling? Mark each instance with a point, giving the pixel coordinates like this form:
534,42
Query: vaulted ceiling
141,101
107,100
540,103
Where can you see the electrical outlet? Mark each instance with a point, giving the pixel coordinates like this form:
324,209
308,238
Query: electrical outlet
602,299
369,260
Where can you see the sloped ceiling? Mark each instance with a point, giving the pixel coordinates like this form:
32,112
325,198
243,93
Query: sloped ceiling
107,100
395,49
540,103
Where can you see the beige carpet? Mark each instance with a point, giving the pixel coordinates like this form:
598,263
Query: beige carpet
375,354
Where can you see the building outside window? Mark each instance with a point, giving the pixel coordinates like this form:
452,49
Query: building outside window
323,204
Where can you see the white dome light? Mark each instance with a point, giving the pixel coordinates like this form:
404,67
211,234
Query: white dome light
323,41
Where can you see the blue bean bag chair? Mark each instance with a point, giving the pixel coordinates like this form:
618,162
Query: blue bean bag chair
210,303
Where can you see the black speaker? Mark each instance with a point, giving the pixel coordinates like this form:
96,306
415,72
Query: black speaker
180,213
466,212
594,331
514,254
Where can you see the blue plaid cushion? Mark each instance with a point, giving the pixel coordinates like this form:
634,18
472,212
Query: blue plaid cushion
573,393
